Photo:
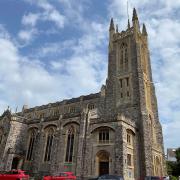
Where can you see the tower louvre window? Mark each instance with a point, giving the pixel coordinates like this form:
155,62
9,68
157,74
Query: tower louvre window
121,83
124,57
121,95
127,81
129,161
121,60
124,88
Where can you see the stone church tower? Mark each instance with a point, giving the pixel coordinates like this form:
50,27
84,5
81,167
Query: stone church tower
115,131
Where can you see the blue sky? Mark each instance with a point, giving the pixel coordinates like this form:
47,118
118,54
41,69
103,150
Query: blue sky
56,49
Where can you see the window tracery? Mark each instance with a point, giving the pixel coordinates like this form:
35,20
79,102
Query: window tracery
70,144
124,63
49,143
129,159
56,112
91,106
72,109
1,136
104,136
32,137
125,88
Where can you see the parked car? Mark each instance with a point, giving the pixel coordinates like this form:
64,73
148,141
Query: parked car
61,176
112,177
13,175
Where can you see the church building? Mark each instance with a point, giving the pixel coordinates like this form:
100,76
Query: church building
114,131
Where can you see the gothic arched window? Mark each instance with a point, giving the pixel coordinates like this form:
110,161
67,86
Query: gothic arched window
70,144
91,106
49,143
72,109
130,137
122,59
104,135
126,58
1,136
32,137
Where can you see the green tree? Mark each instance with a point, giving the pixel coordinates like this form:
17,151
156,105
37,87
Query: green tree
178,155
173,168
170,167
177,171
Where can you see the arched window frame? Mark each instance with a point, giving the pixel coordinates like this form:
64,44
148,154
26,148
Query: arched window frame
124,63
130,137
104,135
41,115
91,106
56,112
49,143
31,141
70,145
1,136
72,109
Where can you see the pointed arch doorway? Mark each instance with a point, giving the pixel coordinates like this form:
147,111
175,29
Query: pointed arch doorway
102,158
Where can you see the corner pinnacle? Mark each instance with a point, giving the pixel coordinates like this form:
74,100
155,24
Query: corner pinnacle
144,32
135,17
111,25
117,28
129,26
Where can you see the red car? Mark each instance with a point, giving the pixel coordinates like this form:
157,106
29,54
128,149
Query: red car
61,176
13,175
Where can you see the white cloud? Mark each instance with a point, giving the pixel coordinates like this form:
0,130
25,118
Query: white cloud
171,130
56,65
30,19
48,13
54,49
55,17
27,35
27,81
3,32
23,80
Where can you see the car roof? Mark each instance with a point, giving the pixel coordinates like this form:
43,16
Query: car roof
67,172
110,176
